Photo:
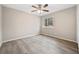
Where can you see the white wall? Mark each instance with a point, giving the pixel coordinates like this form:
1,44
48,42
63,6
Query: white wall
64,24
78,25
17,24
0,26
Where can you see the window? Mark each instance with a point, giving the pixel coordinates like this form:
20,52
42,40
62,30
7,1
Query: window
49,21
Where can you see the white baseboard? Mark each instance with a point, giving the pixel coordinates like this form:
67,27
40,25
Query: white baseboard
60,37
30,35
20,37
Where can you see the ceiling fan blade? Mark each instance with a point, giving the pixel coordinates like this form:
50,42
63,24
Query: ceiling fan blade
34,10
45,5
34,7
46,10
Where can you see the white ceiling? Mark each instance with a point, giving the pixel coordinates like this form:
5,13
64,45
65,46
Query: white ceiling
28,8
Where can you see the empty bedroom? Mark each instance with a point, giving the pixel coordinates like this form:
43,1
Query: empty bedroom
39,28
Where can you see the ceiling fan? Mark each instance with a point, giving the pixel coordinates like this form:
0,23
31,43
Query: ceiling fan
40,8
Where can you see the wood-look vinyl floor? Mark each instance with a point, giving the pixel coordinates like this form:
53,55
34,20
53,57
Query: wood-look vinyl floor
39,44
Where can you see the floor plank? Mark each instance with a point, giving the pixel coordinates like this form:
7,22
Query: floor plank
39,44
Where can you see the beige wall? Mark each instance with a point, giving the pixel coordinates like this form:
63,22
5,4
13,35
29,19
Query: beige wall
64,24
78,24
18,24
0,26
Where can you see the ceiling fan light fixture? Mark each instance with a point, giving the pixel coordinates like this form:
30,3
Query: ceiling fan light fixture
40,11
